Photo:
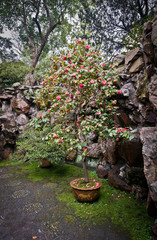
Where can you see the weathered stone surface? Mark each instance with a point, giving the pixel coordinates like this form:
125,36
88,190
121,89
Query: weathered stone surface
139,192
154,33
152,88
147,27
118,183
133,176
102,169
129,91
153,191
16,85
4,97
2,141
44,163
33,111
132,55
22,119
142,87
151,208
7,151
109,151
131,151
137,65
148,48
14,113
123,119
148,136
20,106
71,156
94,150
154,229
6,107
8,120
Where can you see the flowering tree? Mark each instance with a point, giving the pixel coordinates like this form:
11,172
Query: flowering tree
79,94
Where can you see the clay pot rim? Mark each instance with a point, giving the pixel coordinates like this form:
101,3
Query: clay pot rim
86,189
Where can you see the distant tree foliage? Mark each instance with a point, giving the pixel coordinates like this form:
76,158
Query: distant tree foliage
11,72
34,21
6,51
110,20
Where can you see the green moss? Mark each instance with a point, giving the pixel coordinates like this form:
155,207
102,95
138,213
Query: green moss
122,209
56,172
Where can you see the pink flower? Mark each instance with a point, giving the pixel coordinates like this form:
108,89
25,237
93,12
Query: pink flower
64,58
92,81
119,92
82,66
78,41
97,184
41,117
117,139
64,84
77,92
66,70
98,113
81,85
87,47
54,136
58,97
84,148
104,82
67,93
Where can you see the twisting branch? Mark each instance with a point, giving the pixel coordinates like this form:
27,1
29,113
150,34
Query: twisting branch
35,19
27,31
48,13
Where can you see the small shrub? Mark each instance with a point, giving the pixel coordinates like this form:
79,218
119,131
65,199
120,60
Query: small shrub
32,147
11,72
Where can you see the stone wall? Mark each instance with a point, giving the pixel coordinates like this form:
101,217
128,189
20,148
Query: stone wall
16,109
133,166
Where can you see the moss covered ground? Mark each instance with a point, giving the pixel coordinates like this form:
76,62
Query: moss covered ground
122,209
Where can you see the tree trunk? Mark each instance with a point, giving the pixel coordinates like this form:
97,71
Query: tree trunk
29,79
85,169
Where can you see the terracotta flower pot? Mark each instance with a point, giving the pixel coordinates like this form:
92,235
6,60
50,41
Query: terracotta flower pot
88,194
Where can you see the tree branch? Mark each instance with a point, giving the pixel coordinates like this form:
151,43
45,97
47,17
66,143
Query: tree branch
48,13
27,32
35,19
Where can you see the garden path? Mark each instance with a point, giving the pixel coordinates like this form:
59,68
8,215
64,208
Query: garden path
31,210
